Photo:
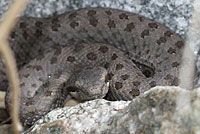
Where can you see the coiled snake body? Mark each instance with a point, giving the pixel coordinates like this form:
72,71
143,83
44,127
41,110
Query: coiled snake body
91,53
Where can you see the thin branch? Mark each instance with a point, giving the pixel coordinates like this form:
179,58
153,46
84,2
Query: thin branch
5,28
2,99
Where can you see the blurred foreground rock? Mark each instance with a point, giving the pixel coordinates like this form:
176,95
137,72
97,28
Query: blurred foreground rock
161,110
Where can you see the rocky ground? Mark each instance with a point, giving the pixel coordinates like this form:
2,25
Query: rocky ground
161,110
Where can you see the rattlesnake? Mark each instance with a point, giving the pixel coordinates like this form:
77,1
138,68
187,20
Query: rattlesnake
94,48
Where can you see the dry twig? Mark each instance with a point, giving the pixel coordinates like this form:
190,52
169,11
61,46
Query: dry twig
5,28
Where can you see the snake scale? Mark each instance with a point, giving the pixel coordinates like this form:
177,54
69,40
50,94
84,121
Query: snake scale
90,53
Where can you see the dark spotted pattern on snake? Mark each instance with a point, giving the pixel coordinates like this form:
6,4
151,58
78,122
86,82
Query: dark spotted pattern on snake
90,53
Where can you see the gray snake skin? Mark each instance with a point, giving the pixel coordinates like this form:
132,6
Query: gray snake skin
90,53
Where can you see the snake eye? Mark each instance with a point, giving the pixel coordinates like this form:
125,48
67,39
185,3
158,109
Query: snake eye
148,73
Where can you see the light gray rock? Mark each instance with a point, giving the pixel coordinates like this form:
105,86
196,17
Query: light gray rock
161,110
82,118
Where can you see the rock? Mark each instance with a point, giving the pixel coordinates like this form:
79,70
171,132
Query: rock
161,110
78,119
